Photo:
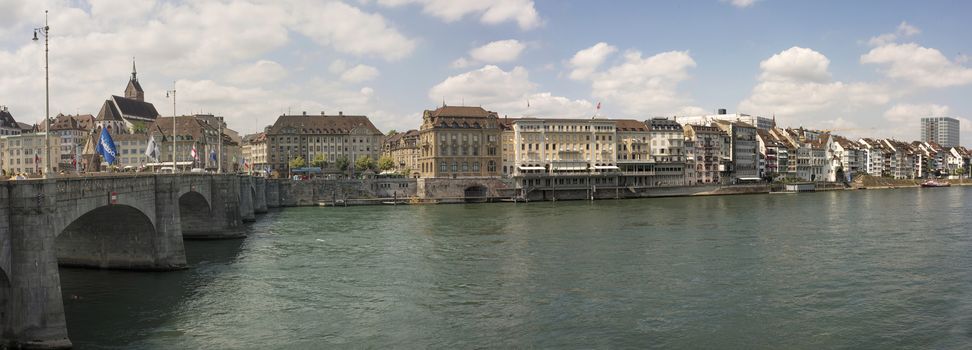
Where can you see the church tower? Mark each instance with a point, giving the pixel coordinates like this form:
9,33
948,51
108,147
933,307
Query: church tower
134,89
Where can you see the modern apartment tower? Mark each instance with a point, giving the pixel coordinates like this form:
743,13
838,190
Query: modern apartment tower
941,130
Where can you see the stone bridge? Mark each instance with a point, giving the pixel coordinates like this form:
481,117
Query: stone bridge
135,222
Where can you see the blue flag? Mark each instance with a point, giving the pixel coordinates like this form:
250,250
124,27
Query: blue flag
212,155
106,147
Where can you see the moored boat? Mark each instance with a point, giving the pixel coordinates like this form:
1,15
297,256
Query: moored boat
933,183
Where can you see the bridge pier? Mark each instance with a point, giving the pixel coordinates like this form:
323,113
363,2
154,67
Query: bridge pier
32,313
260,200
246,198
225,209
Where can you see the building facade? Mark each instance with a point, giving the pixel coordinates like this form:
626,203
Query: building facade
743,152
403,149
707,143
8,126
73,131
25,153
459,142
332,137
942,130
254,153
666,152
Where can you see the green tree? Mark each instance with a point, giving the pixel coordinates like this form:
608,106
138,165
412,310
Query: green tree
297,162
391,132
364,163
959,171
407,172
319,161
386,163
342,163
139,127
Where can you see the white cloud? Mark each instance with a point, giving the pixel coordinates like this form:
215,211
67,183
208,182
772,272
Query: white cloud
796,82
904,120
355,74
740,3
645,86
586,61
180,41
912,113
498,51
256,73
359,73
462,62
904,30
918,65
522,12
796,64
507,92
350,30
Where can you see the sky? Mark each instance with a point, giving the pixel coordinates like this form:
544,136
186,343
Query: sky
859,68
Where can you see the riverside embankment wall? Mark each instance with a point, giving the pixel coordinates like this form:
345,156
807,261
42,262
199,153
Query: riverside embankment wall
379,191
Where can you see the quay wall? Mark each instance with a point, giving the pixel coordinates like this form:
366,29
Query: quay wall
445,190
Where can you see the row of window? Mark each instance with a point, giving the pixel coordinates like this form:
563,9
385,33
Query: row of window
457,166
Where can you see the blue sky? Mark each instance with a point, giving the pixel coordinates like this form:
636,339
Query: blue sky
867,68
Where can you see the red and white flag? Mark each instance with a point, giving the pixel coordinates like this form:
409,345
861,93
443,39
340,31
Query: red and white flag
194,154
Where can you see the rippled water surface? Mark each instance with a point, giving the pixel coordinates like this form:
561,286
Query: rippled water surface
863,269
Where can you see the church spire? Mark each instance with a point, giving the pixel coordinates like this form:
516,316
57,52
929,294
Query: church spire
134,89
134,77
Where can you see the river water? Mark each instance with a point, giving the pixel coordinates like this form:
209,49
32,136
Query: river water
872,269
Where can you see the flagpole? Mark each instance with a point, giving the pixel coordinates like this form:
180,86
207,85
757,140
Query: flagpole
219,147
174,167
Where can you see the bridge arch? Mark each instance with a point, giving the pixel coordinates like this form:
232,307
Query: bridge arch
114,236
476,193
195,214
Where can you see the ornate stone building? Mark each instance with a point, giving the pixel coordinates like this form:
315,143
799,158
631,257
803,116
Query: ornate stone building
459,142
331,136
404,150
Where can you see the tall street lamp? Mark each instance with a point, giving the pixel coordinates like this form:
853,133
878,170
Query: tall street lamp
45,31
173,94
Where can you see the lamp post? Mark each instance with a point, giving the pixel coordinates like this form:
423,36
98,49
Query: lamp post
45,30
173,94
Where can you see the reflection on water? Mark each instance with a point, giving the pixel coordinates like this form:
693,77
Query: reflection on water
862,269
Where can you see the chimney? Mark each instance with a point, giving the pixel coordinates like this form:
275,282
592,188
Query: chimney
722,111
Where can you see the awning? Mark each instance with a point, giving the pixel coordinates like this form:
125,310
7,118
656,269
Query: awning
601,167
531,168
750,178
570,168
169,163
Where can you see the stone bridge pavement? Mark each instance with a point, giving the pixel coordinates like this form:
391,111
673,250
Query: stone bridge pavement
135,222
